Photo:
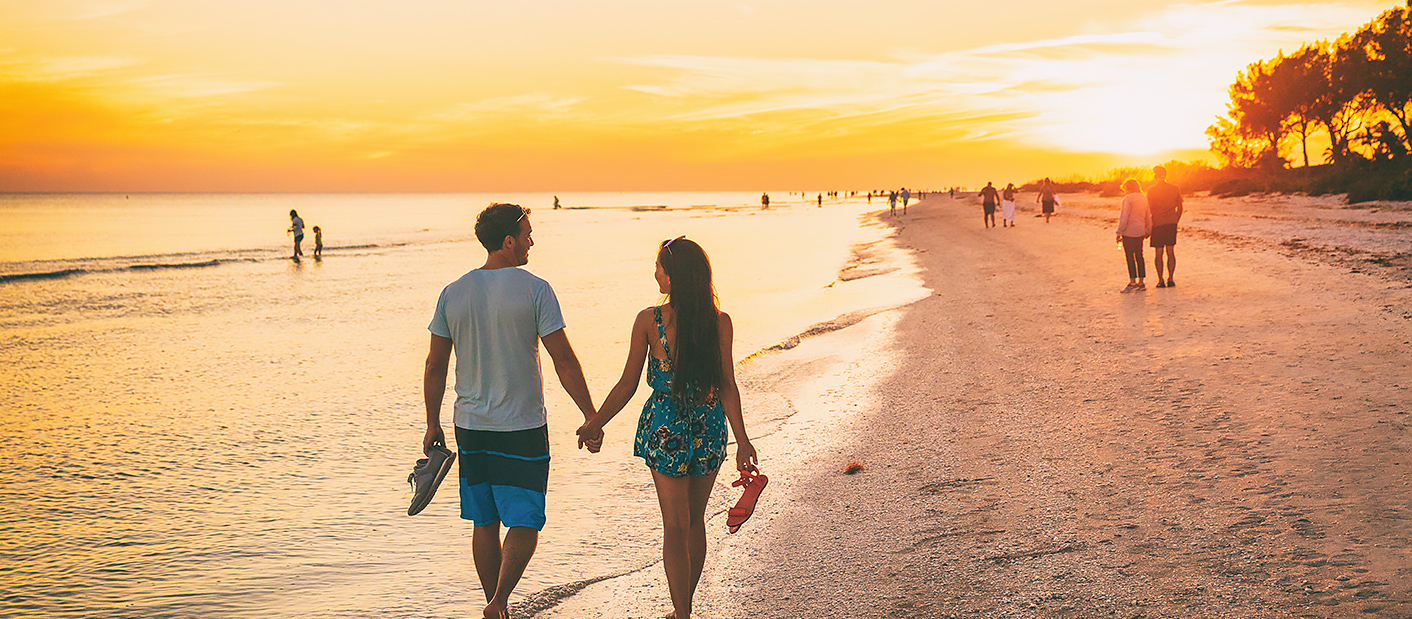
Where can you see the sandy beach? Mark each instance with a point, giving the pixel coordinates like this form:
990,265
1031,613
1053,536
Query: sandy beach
1038,445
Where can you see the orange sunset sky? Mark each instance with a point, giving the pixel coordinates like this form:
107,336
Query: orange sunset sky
538,95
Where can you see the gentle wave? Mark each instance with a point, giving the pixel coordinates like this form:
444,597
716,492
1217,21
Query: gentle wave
23,277
174,265
161,263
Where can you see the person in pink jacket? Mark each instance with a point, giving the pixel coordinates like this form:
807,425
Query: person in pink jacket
1134,225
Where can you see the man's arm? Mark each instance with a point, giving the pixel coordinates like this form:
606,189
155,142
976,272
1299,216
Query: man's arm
434,388
566,366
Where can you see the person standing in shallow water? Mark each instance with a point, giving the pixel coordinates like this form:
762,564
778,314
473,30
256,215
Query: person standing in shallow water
1165,200
681,434
495,319
296,226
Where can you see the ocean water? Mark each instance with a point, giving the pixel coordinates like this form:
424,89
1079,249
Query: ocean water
195,425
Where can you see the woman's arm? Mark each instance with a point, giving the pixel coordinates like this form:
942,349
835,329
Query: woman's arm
592,429
730,398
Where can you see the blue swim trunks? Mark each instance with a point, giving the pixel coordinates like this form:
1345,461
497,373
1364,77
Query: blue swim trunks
504,476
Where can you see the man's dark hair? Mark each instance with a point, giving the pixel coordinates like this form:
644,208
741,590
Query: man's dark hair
498,221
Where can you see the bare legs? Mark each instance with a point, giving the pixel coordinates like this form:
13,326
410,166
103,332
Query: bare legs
501,566
1171,251
683,502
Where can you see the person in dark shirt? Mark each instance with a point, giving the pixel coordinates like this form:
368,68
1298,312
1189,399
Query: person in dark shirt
1165,201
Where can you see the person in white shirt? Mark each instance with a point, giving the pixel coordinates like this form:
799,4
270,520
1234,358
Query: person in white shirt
296,225
494,318
1134,225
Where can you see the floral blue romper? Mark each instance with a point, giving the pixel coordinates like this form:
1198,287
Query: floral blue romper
677,440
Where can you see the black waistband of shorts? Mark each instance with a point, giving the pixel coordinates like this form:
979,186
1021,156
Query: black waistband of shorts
530,444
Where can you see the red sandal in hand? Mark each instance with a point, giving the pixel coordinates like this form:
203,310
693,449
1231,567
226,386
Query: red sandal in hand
754,481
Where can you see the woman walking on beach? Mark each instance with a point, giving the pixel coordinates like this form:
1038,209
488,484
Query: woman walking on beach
1134,225
686,344
1007,205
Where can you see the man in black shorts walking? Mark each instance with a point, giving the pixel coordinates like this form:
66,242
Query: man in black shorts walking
1165,201
988,197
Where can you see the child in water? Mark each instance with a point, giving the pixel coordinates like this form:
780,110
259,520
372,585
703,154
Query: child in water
318,242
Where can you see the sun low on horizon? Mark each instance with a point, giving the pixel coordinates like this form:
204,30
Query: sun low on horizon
439,95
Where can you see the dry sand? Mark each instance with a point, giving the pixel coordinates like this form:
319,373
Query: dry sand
1038,445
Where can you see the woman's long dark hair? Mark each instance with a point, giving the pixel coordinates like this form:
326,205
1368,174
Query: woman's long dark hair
697,363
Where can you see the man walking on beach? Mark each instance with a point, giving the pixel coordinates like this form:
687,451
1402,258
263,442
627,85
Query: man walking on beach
906,196
1165,201
988,198
494,318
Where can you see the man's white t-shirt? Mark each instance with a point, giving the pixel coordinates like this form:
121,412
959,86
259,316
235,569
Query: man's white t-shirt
494,319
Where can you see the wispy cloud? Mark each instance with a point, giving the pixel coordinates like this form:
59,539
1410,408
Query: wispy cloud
531,104
60,69
198,86
1149,85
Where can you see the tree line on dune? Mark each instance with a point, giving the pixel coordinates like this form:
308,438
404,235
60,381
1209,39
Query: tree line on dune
1332,117
1352,97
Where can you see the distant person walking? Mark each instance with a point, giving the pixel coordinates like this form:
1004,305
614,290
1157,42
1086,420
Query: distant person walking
495,319
820,198
681,434
556,203
906,195
296,226
318,242
1047,198
1165,200
988,198
1007,204
764,200
892,203
1134,225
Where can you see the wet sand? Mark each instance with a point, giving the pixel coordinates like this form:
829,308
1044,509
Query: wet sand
1038,445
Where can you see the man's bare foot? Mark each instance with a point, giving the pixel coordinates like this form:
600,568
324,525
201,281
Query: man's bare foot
495,611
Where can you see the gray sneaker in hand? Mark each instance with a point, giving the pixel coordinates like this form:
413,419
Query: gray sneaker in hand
427,475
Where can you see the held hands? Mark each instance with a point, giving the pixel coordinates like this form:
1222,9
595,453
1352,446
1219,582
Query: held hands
590,436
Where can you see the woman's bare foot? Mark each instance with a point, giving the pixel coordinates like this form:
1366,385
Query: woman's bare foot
495,611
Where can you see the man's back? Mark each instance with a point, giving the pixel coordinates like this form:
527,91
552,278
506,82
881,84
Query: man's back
494,319
988,194
1164,199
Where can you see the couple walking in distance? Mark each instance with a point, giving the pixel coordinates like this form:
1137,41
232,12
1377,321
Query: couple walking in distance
494,318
